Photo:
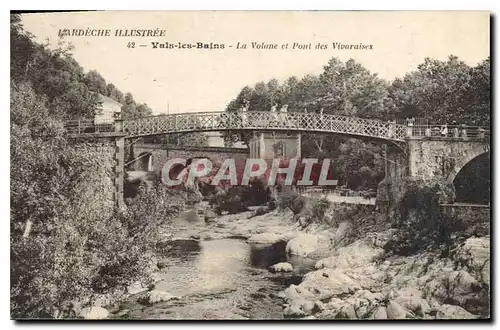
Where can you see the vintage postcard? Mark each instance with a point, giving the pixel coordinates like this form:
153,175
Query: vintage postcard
253,165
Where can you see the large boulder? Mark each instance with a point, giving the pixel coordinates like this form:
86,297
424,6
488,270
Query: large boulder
411,299
450,312
380,313
265,239
474,254
358,254
94,313
395,310
305,244
281,267
135,288
342,233
294,311
322,284
458,286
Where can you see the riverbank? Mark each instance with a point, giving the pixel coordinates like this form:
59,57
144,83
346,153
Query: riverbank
349,272
357,276
213,270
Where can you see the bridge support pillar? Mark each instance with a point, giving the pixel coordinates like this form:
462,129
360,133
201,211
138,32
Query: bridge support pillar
119,171
299,145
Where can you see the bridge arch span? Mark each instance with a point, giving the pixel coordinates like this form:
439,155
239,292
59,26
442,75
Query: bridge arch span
467,156
473,181
145,161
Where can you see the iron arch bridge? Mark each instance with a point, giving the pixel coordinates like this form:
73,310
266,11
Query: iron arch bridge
244,121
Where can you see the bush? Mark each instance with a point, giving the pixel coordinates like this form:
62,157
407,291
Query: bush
229,200
257,193
319,209
88,256
420,222
288,198
77,248
236,199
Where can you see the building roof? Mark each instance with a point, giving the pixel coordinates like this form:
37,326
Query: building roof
108,100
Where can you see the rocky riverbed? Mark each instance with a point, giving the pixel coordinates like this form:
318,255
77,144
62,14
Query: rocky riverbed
319,272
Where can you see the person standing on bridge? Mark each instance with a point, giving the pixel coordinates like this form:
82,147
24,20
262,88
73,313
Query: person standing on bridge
391,129
444,130
274,114
320,119
283,115
244,109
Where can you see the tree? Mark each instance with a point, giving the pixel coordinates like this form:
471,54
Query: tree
115,93
52,72
350,89
66,243
445,92
143,110
96,82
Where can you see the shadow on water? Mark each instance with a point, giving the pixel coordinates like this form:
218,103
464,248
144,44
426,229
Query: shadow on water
226,278
266,256
286,281
183,249
263,257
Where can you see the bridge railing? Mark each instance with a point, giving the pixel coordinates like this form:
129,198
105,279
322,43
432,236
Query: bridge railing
273,121
88,126
449,131
263,120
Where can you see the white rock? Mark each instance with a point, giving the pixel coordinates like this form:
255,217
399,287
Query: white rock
265,238
380,313
462,283
369,296
395,310
322,284
475,255
411,299
349,312
156,296
308,306
294,310
135,288
355,255
343,229
453,312
281,267
94,313
303,244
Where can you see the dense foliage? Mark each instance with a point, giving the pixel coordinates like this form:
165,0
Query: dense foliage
438,91
54,73
68,247
419,221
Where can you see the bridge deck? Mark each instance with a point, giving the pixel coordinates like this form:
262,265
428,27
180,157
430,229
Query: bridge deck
244,121
269,121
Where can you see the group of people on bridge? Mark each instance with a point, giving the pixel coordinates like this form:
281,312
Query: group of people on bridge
279,116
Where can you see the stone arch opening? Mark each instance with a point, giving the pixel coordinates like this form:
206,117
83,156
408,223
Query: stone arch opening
145,162
473,183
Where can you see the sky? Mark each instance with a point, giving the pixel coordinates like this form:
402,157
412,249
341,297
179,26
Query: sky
187,80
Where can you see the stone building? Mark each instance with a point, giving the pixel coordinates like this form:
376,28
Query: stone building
271,145
109,110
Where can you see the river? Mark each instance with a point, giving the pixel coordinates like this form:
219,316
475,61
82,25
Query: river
220,279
